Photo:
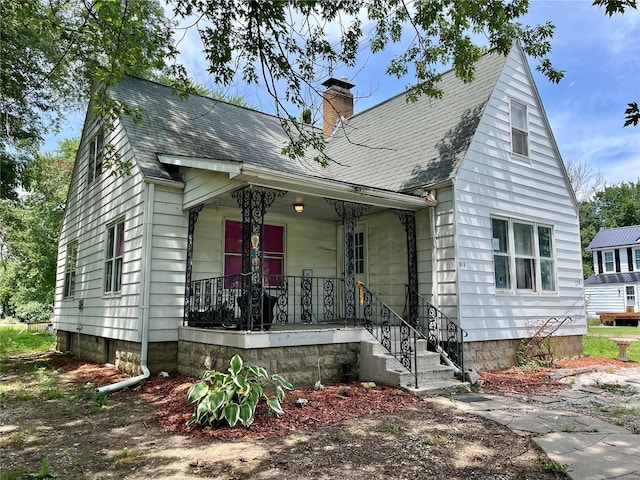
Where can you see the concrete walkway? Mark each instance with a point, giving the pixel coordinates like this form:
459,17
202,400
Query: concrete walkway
590,448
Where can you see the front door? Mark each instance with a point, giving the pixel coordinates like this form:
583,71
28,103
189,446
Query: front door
360,258
631,298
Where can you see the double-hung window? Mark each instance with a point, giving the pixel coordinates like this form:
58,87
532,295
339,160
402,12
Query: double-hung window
636,259
519,129
523,252
609,262
96,146
113,258
70,270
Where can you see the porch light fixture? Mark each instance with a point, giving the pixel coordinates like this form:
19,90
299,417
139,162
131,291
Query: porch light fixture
298,207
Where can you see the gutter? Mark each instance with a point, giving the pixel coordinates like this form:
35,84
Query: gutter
145,274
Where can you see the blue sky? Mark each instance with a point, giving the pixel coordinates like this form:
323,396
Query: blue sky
601,60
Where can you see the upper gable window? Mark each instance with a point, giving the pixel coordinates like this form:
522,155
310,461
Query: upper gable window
609,263
519,129
96,146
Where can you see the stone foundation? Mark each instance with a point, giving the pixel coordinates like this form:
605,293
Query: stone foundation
161,356
297,364
497,354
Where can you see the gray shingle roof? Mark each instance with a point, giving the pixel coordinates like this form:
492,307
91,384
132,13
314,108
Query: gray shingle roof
616,237
199,127
393,146
628,277
415,144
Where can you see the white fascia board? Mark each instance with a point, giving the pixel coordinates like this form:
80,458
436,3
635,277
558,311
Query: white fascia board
227,166
331,188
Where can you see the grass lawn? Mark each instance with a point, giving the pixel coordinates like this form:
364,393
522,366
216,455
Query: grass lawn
597,342
16,339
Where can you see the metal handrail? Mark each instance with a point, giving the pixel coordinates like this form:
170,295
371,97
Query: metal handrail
443,335
392,331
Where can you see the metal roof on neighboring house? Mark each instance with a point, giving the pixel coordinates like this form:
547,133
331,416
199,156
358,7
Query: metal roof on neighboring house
395,145
616,237
628,277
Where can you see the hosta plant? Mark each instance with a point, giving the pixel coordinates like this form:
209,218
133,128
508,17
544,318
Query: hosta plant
234,396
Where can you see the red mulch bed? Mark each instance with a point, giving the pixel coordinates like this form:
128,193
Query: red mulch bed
325,407
536,379
169,395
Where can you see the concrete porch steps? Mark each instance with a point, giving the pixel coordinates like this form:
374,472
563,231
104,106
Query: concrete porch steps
380,366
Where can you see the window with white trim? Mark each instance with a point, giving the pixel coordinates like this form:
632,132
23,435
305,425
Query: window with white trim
636,259
609,262
519,129
70,270
113,257
525,252
96,146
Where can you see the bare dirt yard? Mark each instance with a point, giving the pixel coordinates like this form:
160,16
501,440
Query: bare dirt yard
49,409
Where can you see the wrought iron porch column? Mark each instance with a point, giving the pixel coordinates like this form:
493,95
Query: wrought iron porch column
193,218
408,220
253,202
349,213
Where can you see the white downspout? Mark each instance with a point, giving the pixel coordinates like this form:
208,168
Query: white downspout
145,274
434,258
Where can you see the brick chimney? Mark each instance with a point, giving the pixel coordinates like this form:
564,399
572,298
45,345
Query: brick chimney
337,103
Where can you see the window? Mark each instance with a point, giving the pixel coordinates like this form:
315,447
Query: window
359,246
636,259
547,264
609,263
95,157
113,255
70,270
530,261
501,253
271,246
519,130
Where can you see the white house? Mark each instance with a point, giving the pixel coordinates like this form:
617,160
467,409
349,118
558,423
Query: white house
615,286
455,214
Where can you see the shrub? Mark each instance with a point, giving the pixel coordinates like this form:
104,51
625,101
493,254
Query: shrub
234,396
34,312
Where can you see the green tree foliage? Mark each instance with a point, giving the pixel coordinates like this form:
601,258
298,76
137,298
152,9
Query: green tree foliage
30,226
614,206
52,52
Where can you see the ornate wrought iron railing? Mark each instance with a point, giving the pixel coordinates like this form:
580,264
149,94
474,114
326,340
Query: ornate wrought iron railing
234,302
390,329
443,334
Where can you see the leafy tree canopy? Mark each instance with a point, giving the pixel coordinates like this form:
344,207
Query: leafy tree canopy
53,50
30,226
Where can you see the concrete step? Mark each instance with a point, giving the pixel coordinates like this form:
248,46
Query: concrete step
378,365
443,387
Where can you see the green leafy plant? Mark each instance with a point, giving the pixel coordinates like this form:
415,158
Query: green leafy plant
234,396
45,471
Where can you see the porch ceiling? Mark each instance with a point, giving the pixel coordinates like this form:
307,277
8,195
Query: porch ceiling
314,207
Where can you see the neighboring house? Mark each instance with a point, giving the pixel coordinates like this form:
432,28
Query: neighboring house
615,286
455,209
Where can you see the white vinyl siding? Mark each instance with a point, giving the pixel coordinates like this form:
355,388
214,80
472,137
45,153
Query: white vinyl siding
490,185
90,208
